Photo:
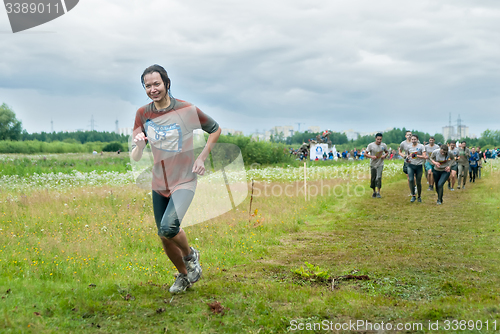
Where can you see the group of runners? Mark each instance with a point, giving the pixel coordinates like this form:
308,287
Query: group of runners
441,163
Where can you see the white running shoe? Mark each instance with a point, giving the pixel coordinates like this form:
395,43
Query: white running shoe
193,266
180,285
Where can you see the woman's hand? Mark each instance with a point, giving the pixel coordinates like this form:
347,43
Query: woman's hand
140,140
199,166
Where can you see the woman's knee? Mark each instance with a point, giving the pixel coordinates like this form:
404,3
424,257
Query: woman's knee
169,231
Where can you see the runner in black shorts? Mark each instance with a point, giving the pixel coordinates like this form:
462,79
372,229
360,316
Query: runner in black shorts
168,124
429,148
442,160
416,156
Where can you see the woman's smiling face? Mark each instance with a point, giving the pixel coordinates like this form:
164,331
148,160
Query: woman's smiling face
155,87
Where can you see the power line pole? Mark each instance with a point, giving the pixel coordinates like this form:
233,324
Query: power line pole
299,125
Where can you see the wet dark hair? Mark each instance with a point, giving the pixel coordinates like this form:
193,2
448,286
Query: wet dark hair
432,138
407,131
414,136
444,148
463,141
161,71
378,135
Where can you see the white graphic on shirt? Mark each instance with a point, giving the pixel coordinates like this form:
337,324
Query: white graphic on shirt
164,137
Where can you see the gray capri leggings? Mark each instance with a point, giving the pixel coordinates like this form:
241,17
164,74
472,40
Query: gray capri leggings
169,211
415,176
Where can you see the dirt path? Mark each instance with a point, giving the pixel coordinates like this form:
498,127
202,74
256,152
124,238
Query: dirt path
391,237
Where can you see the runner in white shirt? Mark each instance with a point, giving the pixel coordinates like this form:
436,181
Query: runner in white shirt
416,156
377,152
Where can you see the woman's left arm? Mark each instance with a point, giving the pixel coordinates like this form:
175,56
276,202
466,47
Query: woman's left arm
199,164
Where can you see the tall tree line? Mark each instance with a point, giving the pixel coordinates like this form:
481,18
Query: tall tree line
79,136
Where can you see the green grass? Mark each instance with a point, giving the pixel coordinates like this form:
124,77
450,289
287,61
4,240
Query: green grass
64,163
90,260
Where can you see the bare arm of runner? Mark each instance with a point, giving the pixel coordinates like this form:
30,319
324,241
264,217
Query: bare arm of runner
140,142
434,162
199,164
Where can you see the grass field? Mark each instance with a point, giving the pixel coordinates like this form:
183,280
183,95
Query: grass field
88,260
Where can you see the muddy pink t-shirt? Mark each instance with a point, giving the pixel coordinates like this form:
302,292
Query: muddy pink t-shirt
170,135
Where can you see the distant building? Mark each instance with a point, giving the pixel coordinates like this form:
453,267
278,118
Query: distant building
449,133
462,131
267,135
351,134
259,136
125,131
371,134
232,132
314,129
287,131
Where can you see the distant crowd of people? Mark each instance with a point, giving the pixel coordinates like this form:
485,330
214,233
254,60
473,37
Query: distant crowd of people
354,154
441,163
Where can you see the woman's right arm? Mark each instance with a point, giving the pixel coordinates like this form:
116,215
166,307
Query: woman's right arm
140,143
138,135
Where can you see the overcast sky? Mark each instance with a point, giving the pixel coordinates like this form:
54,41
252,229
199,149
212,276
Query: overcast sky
354,64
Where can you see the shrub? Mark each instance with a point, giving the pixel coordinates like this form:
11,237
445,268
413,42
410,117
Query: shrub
113,147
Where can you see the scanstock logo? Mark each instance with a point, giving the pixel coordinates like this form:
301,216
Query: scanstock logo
25,14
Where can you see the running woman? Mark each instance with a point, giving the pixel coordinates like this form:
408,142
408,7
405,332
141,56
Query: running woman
416,157
429,148
377,152
463,164
442,161
453,167
403,152
167,124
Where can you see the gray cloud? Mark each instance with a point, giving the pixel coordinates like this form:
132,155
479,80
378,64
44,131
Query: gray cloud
337,64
